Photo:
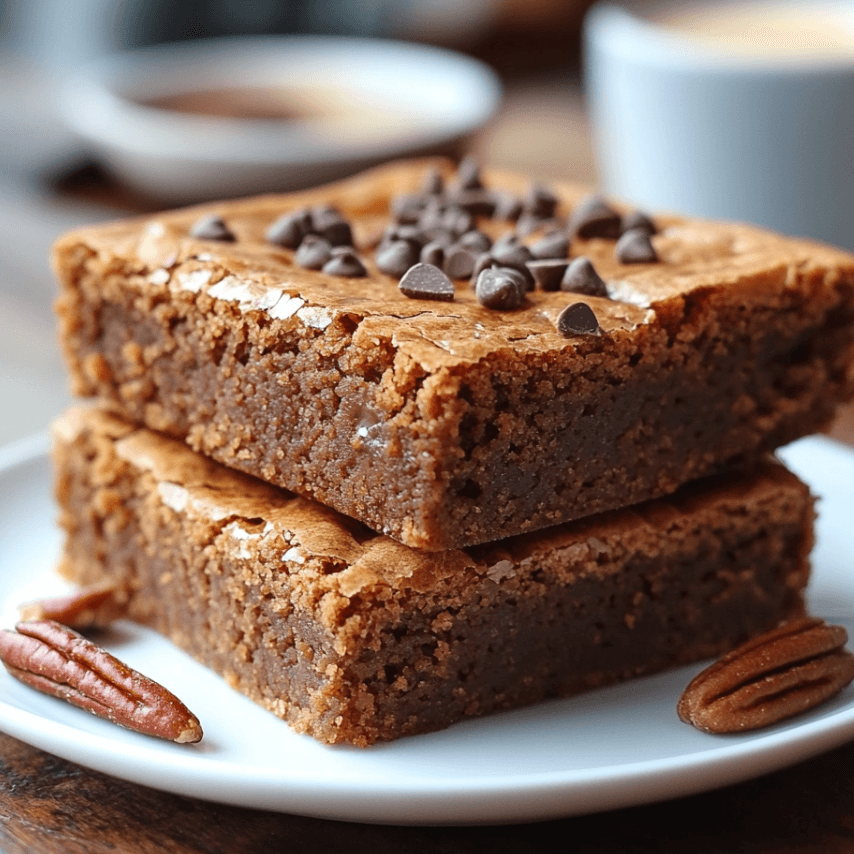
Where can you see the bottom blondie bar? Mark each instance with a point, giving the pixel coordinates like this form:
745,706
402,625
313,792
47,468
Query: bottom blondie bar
351,637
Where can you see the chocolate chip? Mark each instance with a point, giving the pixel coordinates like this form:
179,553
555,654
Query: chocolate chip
433,183
594,217
412,234
527,224
483,262
635,247
554,245
540,202
329,224
515,256
577,319
396,257
468,174
212,227
459,262
440,234
478,202
313,252
407,208
507,206
581,278
511,255
638,219
434,253
344,262
548,273
509,238
457,221
289,229
500,288
431,227
426,281
476,241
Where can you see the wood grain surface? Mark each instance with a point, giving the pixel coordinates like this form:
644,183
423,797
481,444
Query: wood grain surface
49,806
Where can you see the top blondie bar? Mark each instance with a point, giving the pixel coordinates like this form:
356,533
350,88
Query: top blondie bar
265,334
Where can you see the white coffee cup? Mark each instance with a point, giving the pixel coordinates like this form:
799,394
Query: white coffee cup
693,111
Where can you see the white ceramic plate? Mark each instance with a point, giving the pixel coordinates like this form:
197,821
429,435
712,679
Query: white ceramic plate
615,747
356,102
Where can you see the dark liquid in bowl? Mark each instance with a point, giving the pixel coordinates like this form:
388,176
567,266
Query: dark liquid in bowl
266,104
327,110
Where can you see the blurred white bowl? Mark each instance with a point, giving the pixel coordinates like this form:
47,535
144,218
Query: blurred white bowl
314,108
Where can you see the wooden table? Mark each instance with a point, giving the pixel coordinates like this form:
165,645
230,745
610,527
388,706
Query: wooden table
49,805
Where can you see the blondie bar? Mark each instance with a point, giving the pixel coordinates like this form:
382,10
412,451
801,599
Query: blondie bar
266,335
352,637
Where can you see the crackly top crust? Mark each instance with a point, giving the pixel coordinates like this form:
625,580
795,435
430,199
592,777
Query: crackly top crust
696,258
203,490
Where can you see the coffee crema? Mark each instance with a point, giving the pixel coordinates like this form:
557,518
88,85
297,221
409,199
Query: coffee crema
259,103
323,109
787,31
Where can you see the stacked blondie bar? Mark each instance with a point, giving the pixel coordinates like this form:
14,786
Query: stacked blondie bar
430,443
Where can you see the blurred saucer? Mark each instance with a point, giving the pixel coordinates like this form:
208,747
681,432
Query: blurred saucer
210,119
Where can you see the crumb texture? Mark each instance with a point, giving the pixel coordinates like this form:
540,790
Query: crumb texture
352,637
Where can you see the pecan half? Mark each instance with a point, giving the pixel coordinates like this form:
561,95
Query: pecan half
55,660
91,607
770,678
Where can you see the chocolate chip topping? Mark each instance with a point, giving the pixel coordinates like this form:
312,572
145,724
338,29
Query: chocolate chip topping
468,174
515,256
639,220
411,234
553,245
407,208
500,288
507,206
577,319
548,273
345,262
594,217
581,278
396,257
313,252
528,224
425,281
540,202
289,229
433,183
434,253
509,238
329,224
431,226
457,221
635,247
459,262
475,241
511,255
483,262
212,227
478,202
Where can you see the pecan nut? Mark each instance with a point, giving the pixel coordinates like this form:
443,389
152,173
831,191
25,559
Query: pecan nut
773,677
91,607
56,660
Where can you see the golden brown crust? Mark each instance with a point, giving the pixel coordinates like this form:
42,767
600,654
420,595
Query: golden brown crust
447,424
698,257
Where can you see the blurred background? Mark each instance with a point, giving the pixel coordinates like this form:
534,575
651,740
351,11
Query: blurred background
51,180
